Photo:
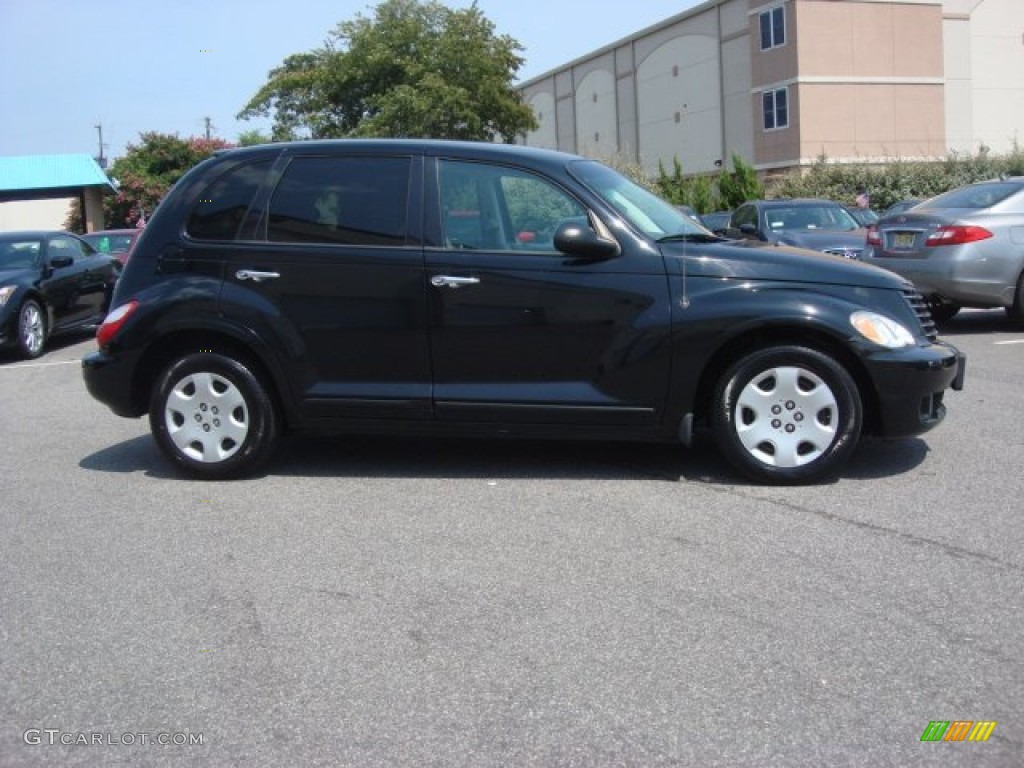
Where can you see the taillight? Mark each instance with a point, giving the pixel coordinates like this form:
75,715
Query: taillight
955,235
873,237
112,322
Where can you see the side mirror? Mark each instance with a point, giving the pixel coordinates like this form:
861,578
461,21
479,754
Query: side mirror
59,262
578,239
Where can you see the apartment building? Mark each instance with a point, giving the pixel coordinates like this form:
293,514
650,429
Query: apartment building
784,82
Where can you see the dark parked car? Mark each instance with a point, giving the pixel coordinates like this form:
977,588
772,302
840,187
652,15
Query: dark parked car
820,225
964,248
119,243
865,217
901,206
50,282
244,313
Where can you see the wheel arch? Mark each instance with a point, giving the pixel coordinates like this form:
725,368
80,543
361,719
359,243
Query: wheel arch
174,344
753,340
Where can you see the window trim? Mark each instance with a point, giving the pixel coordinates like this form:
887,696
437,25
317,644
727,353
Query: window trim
773,94
769,15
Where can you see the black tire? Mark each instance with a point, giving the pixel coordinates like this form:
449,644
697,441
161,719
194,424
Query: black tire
1015,312
213,417
31,329
942,311
787,414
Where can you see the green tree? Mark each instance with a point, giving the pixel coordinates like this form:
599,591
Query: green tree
252,138
144,174
739,185
413,69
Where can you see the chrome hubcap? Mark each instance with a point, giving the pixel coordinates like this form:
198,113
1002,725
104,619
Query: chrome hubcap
206,417
786,417
32,328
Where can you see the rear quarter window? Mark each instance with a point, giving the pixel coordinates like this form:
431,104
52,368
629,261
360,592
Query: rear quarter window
221,208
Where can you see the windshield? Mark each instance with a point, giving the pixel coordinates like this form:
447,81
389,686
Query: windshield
19,254
644,210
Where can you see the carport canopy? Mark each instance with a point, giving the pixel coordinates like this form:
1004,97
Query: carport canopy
43,177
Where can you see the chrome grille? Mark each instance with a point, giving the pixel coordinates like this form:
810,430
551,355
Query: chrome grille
924,317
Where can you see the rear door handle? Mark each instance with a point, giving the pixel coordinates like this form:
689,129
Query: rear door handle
451,281
256,276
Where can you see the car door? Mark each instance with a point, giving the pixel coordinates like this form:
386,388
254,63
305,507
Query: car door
521,333
334,274
76,281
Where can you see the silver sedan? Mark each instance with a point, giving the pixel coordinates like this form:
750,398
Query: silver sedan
964,248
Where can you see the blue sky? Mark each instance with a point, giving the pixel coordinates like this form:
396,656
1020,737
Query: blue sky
68,65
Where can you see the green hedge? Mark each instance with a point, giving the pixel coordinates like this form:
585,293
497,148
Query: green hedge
887,182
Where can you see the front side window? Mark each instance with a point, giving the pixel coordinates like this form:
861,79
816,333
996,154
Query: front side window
221,208
746,214
66,248
775,108
773,28
357,200
495,208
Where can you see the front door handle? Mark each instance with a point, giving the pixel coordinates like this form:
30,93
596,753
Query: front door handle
451,281
256,276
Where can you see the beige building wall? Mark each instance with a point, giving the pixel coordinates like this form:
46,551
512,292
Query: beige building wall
596,126
865,80
984,62
34,214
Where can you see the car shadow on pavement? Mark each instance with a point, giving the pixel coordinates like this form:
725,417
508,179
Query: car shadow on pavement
139,454
878,458
974,321
54,344
404,457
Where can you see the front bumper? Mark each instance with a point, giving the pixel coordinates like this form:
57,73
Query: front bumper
910,385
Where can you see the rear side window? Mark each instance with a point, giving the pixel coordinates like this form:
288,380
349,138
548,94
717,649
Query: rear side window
359,200
222,205
976,196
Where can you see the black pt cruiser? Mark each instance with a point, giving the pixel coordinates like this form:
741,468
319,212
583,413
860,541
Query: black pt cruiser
397,286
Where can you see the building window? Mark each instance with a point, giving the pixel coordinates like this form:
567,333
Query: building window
773,28
775,107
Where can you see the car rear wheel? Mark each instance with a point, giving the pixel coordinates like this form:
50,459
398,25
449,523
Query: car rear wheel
212,416
787,414
942,310
1016,311
31,329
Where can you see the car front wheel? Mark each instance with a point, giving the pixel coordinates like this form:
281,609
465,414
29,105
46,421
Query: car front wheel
31,329
212,416
787,414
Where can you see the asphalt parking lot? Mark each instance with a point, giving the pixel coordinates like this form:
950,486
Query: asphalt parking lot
399,602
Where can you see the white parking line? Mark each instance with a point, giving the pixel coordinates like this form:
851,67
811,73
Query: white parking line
38,365
1011,341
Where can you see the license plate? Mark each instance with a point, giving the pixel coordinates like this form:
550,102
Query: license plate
903,240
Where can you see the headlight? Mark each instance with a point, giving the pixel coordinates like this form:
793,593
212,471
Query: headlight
882,330
6,292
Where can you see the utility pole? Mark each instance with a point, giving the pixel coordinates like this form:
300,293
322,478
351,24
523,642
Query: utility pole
101,161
